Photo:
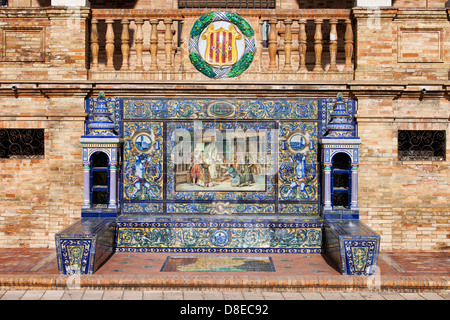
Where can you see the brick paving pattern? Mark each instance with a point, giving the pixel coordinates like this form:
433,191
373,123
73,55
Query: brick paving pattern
27,274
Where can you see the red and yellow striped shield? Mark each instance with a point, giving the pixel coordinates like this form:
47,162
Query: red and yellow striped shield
221,49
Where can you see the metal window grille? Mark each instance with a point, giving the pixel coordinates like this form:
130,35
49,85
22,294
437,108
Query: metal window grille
4,3
421,145
226,4
22,143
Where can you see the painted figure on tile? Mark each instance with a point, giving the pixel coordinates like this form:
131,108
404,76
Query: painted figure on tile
205,176
247,177
199,170
300,175
195,167
236,178
139,168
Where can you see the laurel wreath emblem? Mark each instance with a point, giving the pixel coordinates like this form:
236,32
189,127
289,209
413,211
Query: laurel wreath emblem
229,71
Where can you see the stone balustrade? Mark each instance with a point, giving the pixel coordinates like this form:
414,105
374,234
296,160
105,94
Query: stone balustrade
153,44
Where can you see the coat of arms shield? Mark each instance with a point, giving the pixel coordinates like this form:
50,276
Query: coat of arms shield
221,45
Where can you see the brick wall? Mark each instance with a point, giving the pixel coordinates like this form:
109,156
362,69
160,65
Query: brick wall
405,201
399,45
43,44
39,197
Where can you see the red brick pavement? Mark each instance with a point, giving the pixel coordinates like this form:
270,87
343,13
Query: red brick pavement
398,271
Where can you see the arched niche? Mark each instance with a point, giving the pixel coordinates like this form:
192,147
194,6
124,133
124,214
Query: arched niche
99,179
341,180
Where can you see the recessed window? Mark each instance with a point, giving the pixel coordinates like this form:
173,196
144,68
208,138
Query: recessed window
416,145
22,143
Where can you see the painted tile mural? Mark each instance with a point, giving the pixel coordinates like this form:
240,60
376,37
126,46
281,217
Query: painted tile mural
222,156
297,174
143,161
223,161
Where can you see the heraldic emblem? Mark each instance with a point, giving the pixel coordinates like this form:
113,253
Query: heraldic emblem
221,45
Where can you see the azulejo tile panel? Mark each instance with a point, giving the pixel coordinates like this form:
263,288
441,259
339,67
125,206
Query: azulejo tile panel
297,174
74,255
286,177
243,109
220,208
220,163
219,236
361,256
143,161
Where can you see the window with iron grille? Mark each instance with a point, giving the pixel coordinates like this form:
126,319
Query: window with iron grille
226,4
421,145
4,3
22,143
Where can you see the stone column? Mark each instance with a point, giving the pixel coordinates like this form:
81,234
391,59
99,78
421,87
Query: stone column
112,185
302,45
87,182
154,44
109,46
139,44
287,46
354,196
318,46
327,180
273,43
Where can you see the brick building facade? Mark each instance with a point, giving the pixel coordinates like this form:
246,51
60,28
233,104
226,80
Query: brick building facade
393,59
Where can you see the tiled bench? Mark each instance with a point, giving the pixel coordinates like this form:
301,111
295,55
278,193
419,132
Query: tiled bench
352,246
85,245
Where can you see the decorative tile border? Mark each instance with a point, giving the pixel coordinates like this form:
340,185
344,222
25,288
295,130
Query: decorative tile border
260,109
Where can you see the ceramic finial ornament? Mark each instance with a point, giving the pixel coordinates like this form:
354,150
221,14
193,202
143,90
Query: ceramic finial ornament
340,124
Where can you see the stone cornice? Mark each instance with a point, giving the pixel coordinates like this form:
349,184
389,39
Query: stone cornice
401,13
45,13
325,89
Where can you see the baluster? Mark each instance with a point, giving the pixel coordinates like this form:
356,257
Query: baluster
333,45
287,45
139,44
318,45
109,47
168,44
94,43
302,45
125,44
348,45
181,30
273,44
261,30
154,44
